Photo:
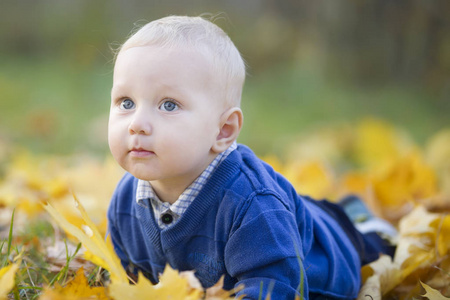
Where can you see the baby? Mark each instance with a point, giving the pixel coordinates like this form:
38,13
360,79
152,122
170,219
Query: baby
195,199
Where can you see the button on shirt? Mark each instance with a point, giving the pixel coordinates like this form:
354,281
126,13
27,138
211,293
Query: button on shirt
167,214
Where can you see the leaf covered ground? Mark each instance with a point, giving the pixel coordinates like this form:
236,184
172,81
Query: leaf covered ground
53,215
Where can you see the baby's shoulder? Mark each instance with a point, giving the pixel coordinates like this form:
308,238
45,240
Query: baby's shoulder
125,190
258,189
127,182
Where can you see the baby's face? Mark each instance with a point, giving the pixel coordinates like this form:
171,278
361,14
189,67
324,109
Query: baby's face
165,113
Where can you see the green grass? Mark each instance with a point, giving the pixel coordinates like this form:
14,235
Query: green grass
30,244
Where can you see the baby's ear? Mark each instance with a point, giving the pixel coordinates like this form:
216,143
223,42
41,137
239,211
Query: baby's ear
230,127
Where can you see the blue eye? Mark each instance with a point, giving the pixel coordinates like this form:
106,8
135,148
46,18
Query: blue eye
127,104
169,106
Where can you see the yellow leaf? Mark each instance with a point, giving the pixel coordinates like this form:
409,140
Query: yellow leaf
76,289
377,141
7,279
170,286
99,261
416,238
357,183
415,249
438,149
31,208
403,180
273,161
438,156
93,241
217,292
387,274
418,221
310,178
442,229
432,294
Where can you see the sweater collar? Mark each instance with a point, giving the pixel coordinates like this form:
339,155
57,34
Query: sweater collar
195,213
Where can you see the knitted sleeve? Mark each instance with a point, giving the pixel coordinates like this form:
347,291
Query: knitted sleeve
264,250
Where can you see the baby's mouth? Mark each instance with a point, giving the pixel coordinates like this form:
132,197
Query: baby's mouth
140,152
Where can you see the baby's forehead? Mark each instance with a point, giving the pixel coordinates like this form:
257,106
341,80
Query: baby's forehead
192,58
170,65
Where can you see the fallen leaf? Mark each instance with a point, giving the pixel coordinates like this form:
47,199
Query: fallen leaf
432,294
371,289
76,289
170,286
312,178
274,162
104,255
217,292
401,182
377,141
437,153
7,279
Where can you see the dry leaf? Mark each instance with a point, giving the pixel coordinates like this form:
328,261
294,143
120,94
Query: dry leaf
170,286
77,289
377,141
311,178
371,289
7,279
217,292
433,294
103,254
274,162
402,181
418,247
438,156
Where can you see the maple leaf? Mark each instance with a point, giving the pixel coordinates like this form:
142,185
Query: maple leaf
418,239
7,279
170,286
76,289
432,294
101,254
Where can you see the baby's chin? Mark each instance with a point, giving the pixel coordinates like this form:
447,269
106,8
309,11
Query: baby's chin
140,171
142,175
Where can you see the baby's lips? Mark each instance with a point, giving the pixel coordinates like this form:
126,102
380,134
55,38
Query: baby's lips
140,152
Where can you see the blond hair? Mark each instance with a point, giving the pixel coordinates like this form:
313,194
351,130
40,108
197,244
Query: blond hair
202,35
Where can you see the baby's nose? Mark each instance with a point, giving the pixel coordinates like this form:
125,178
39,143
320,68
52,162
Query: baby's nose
140,124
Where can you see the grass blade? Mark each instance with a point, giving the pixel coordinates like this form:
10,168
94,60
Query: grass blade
10,237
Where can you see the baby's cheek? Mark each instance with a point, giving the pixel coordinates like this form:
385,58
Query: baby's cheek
116,147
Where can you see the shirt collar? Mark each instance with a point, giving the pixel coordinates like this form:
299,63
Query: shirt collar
145,191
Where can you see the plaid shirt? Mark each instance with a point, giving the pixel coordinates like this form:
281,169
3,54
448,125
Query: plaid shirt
176,210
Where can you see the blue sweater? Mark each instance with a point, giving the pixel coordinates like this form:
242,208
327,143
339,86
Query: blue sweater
247,223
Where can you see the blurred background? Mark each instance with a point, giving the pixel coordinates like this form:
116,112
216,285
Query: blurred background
310,64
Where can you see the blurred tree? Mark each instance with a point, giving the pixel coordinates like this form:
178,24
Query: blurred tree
377,41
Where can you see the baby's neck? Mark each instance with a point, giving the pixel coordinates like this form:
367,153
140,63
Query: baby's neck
169,190
167,194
